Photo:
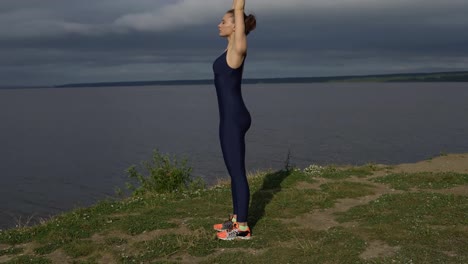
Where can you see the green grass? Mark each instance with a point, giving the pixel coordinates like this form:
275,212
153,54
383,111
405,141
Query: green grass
115,241
80,248
11,251
426,227
333,172
421,223
305,246
424,180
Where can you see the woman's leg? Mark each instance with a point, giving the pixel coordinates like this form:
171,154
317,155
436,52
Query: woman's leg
233,148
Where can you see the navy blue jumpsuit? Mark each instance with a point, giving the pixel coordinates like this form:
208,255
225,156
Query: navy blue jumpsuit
234,122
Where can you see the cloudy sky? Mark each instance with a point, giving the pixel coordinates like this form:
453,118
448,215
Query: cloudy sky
48,42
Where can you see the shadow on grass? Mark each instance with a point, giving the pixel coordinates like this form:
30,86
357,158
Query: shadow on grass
270,187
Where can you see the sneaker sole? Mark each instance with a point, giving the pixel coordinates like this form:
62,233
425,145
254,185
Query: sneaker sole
235,238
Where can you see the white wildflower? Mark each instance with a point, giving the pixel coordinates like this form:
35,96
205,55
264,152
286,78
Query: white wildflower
313,170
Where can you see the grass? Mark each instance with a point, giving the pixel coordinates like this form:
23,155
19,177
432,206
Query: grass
176,226
424,180
337,173
427,226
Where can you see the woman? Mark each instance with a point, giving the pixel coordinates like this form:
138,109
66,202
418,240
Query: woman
234,116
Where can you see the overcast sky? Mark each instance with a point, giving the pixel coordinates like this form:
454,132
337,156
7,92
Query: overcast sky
48,42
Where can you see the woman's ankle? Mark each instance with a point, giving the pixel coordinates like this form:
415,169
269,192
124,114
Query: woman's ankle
233,218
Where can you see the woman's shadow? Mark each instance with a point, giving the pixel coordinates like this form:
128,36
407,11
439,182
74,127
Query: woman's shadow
261,198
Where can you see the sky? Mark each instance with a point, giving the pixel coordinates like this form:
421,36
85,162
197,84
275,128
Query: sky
51,42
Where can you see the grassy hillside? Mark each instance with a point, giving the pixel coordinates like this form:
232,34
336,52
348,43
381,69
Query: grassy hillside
410,213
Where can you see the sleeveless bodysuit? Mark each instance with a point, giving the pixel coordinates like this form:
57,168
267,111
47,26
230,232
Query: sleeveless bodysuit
234,122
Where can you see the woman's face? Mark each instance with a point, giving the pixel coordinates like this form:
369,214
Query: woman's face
226,27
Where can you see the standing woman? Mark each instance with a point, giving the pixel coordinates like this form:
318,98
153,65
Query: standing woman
234,116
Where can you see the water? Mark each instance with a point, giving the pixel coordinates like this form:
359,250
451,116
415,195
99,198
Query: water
63,148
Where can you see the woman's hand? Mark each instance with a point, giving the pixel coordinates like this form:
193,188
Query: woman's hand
238,4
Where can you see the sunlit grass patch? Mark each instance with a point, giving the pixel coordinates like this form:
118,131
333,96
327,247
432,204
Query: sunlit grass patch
429,208
268,231
425,222
205,223
11,251
425,180
197,243
80,223
80,248
117,241
48,248
335,245
204,206
150,220
304,246
293,177
148,250
416,254
333,172
16,236
293,202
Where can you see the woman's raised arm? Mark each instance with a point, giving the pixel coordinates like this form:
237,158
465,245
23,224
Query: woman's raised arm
239,34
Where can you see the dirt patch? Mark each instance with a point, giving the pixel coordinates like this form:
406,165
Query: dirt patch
59,257
451,162
146,236
325,219
378,249
28,248
106,259
450,253
5,258
4,246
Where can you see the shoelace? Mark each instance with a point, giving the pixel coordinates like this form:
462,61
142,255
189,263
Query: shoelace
233,232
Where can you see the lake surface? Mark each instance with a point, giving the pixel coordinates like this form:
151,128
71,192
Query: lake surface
63,148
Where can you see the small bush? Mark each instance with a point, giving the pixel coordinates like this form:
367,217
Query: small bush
163,176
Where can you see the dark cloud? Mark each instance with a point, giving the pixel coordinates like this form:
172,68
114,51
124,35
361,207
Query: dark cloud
60,41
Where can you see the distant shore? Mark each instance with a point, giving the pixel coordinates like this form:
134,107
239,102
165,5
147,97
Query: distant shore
459,76
456,76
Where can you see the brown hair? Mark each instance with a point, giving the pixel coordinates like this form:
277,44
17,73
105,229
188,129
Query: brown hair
249,20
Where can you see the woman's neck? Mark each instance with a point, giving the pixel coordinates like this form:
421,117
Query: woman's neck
230,40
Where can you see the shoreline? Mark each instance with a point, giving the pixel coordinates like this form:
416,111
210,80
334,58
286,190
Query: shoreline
322,202
454,162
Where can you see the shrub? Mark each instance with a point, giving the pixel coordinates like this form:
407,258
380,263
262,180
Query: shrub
164,175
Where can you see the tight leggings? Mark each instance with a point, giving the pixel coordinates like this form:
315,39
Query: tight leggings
232,137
